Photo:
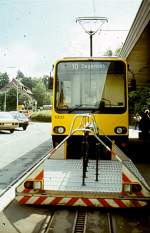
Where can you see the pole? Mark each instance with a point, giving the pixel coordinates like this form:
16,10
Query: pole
17,98
91,45
5,102
87,27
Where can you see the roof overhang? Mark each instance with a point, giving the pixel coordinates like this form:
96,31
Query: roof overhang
140,22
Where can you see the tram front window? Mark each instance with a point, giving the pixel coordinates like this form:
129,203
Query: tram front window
90,86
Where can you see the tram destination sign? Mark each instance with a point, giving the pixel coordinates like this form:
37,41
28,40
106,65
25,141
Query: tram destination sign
97,66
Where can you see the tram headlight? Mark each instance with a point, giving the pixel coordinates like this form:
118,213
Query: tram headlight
59,129
120,130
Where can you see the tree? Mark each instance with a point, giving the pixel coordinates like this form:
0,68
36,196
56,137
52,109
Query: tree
4,79
20,75
2,101
139,100
47,98
108,52
27,81
45,80
118,50
11,99
39,93
34,82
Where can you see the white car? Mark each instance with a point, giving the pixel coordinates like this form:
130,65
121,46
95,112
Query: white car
22,119
7,122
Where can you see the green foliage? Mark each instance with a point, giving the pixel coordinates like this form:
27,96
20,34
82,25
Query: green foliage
39,87
43,116
20,75
11,99
139,100
4,79
27,81
2,101
108,52
47,98
45,80
40,94
34,82
118,50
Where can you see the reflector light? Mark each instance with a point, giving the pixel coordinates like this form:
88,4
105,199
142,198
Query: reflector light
136,188
37,185
28,184
33,184
132,188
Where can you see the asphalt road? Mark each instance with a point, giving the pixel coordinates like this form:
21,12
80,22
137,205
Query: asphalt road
13,146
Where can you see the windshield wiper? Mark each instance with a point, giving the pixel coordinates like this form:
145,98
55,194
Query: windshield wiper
75,108
85,107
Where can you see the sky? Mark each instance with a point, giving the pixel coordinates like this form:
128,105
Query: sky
35,33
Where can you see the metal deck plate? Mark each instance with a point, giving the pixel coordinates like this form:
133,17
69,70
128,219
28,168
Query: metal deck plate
66,175
130,165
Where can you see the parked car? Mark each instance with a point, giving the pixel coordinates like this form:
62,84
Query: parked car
7,122
22,119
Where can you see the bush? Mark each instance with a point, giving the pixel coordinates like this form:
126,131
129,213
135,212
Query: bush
42,116
139,101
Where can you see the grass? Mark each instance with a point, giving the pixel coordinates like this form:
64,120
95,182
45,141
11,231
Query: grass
42,116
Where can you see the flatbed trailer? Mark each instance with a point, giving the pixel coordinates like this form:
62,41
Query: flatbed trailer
114,182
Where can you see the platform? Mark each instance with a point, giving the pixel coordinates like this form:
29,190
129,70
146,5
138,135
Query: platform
66,175
60,182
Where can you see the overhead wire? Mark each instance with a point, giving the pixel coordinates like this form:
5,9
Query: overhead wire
93,7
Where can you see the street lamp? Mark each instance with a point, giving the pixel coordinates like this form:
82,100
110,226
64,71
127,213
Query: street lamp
91,25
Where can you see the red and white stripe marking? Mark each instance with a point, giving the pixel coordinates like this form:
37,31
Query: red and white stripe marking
75,201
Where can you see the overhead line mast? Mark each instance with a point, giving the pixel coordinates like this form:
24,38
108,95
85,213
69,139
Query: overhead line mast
91,25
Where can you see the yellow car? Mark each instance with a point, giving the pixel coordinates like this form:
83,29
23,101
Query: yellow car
7,122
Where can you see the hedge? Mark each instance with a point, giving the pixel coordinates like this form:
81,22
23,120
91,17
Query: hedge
42,116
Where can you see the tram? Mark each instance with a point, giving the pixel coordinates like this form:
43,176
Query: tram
85,166
98,86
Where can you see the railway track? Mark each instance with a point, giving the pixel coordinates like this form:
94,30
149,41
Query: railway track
96,221
38,219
